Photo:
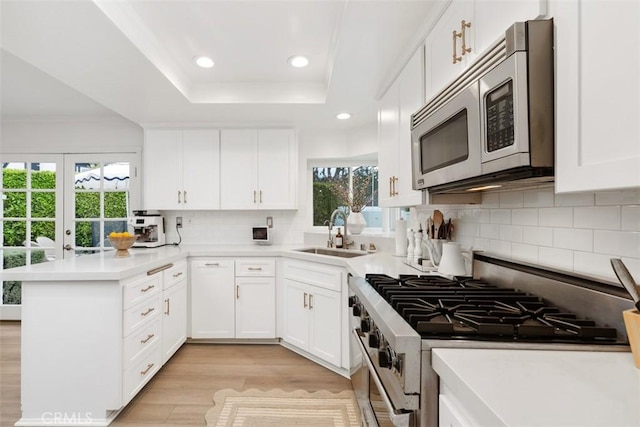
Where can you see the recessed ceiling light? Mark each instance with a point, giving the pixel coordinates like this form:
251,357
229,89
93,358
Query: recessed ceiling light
299,61
204,61
343,116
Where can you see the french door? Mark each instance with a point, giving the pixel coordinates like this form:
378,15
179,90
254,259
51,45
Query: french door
58,206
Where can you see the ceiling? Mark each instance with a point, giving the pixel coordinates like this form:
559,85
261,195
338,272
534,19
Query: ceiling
70,59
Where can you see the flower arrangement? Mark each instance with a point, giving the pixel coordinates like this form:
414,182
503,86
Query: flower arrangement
359,198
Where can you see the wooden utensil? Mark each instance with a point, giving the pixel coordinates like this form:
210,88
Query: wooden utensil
438,219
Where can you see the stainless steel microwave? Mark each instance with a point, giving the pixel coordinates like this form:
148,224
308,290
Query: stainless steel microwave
494,124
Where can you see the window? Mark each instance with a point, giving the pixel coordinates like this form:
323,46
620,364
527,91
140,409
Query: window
336,187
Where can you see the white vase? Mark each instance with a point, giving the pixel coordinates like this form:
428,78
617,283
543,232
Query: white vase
356,223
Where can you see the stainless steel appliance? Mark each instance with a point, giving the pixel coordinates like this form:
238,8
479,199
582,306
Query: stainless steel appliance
494,124
396,323
149,227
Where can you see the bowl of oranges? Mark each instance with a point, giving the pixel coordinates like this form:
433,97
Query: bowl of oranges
122,241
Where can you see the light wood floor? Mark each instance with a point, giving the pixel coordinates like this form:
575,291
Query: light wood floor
182,392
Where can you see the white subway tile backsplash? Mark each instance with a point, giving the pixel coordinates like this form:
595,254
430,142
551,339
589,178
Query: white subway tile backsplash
555,257
511,233
501,248
539,236
500,216
597,217
630,218
577,199
623,197
491,200
483,216
528,253
490,231
592,264
573,238
538,197
512,199
620,243
556,217
525,216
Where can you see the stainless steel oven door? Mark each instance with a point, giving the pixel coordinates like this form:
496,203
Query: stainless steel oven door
376,406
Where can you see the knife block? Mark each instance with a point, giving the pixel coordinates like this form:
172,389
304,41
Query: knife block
632,323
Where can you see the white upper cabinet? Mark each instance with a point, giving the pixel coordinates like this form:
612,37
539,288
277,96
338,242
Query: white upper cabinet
258,169
465,30
182,169
597,94
395,108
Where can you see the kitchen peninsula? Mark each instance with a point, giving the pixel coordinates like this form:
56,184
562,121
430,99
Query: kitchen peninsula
95,329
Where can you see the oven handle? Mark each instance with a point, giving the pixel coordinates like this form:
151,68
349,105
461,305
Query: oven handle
399,418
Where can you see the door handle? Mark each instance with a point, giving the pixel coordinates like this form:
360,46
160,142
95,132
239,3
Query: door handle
68,247
260,196
237,291
463,26
179,193
456,58
184,197
305,300
254,196
310,301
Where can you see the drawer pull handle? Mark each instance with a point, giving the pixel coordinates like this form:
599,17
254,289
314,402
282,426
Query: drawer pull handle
147,312
178,274
212,264
255,268
148,288
146,340
149,366
168,306
159,269
305,300
237,291
310,301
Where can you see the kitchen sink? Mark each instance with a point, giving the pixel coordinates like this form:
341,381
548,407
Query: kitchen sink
342,253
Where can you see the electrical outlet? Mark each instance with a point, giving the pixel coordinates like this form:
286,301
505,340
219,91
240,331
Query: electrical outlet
178,222
270,221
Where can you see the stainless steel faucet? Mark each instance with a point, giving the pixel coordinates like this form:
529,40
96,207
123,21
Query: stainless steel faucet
345,238
330,240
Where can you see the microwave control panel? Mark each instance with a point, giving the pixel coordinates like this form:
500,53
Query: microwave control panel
500,121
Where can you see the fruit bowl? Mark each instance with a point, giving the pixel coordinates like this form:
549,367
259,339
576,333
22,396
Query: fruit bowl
122,243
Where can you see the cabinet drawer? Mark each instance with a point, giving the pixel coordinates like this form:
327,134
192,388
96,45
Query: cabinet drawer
255,267
137,343
141,314
139,290
139,373
174,274
320,275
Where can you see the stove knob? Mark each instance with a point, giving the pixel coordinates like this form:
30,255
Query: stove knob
385,358
357,309
353,300
374,339
365,324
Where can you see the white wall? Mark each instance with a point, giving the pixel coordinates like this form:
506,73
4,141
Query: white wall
70,136
573,232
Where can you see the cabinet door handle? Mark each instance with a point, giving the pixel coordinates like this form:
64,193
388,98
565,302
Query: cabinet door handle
149,366
147,312
212,264
305,300
146,340
393,186
185,196
148,288
254,268
178,274
237,291
260,196
310,301
168,303
390,186
463,26
456,58
254,196
179,194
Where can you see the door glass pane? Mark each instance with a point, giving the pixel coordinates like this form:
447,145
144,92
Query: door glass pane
15,205
115,204
116,176
14,233
46,230
87,234
43,205
87,205
43,176
14,175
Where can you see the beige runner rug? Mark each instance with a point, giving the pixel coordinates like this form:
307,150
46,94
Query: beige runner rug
255,408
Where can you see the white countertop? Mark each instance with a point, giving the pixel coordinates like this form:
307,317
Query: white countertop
543,388
104,266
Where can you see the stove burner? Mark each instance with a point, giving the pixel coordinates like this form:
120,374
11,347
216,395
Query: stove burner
437,307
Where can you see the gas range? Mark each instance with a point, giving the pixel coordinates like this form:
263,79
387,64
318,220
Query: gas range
398,320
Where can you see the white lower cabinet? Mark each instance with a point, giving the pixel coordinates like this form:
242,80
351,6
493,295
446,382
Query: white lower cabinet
174,311
233,298
313,309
